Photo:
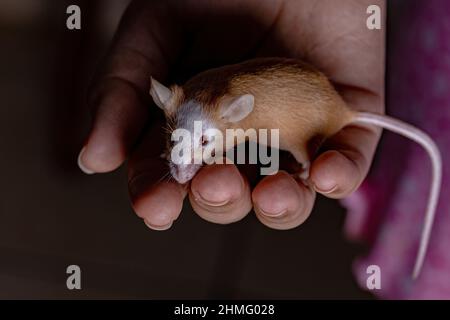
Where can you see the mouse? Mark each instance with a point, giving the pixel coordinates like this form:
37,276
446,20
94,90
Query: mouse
278,93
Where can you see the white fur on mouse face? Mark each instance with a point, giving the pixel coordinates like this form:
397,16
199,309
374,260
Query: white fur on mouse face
183,167
193,124
196,125
184,119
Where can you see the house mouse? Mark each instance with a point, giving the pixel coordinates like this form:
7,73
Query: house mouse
278,93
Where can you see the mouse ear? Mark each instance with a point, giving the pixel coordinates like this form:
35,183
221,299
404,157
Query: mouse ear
161,95
237,108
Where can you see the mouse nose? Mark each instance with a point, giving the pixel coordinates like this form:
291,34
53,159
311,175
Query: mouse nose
184,173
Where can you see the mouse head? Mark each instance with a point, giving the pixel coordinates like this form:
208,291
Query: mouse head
193,127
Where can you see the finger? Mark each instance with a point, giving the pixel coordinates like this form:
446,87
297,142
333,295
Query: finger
120,115
343,166
280,202
338,172
220,194
143,47
155,198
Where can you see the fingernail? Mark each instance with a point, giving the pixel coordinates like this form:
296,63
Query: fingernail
224,193
80,163
273,214
199,198
158,228
326,190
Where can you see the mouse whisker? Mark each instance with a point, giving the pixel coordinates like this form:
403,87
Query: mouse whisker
164,177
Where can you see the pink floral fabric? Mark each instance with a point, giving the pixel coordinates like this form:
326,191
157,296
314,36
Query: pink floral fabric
388,209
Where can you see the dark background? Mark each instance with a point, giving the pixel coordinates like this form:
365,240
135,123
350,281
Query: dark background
52,215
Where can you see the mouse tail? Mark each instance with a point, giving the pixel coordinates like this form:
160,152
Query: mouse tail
430,146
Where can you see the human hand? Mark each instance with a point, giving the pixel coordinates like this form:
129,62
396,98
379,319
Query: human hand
164,39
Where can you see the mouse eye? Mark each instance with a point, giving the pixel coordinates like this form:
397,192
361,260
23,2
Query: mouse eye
204,141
